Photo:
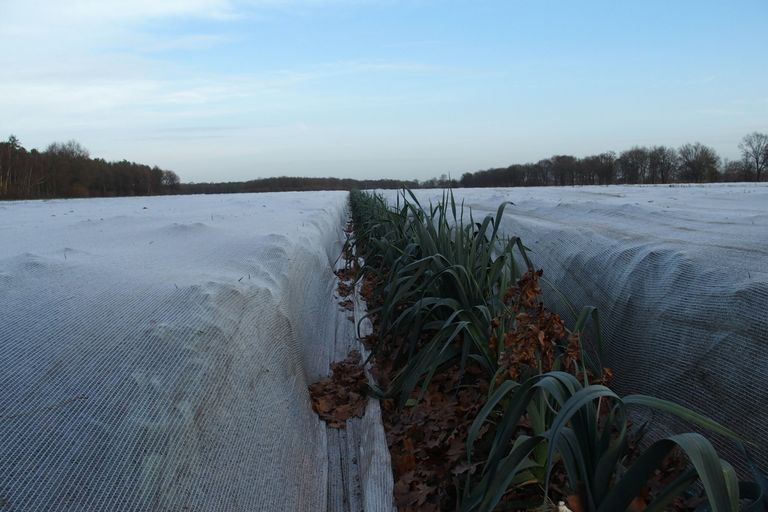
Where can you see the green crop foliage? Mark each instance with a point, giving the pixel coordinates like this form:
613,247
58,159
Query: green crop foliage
443,277
594,453
445,273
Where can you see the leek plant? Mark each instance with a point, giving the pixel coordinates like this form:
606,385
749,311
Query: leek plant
594,449
445,277
444,280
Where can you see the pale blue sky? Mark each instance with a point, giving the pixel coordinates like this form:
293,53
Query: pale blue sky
230,90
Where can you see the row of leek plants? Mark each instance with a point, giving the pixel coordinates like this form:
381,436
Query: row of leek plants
443,278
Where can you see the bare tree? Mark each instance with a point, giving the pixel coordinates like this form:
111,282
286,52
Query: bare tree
564,169
662,162
600,169
735,170
698,163
754,149
544,171
170,180
633,164
71,148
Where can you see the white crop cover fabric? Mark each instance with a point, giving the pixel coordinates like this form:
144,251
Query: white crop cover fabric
155,352
680,277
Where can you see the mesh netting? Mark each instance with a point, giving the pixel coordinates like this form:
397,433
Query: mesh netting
155,352
680,276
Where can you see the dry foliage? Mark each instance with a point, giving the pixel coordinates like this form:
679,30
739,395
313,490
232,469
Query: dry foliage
343,395
345,289
533,341
428,441
346,274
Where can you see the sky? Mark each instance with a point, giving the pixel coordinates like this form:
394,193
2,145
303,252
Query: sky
225,90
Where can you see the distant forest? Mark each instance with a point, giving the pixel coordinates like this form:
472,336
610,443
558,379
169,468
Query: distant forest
288,184
67,170
690,163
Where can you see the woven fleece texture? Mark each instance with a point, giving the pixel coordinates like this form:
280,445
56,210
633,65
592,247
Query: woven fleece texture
680,277
155,352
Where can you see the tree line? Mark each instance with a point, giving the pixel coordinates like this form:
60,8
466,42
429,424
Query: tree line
67,170
288,184
690,163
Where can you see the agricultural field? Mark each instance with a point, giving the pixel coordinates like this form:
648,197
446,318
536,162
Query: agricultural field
678,273
453,285
157,351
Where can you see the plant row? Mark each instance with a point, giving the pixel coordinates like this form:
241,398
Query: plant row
455,294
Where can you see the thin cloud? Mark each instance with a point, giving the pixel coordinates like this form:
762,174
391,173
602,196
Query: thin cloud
414,44
58,13
190,42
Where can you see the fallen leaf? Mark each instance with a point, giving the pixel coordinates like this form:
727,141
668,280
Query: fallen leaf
343,395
